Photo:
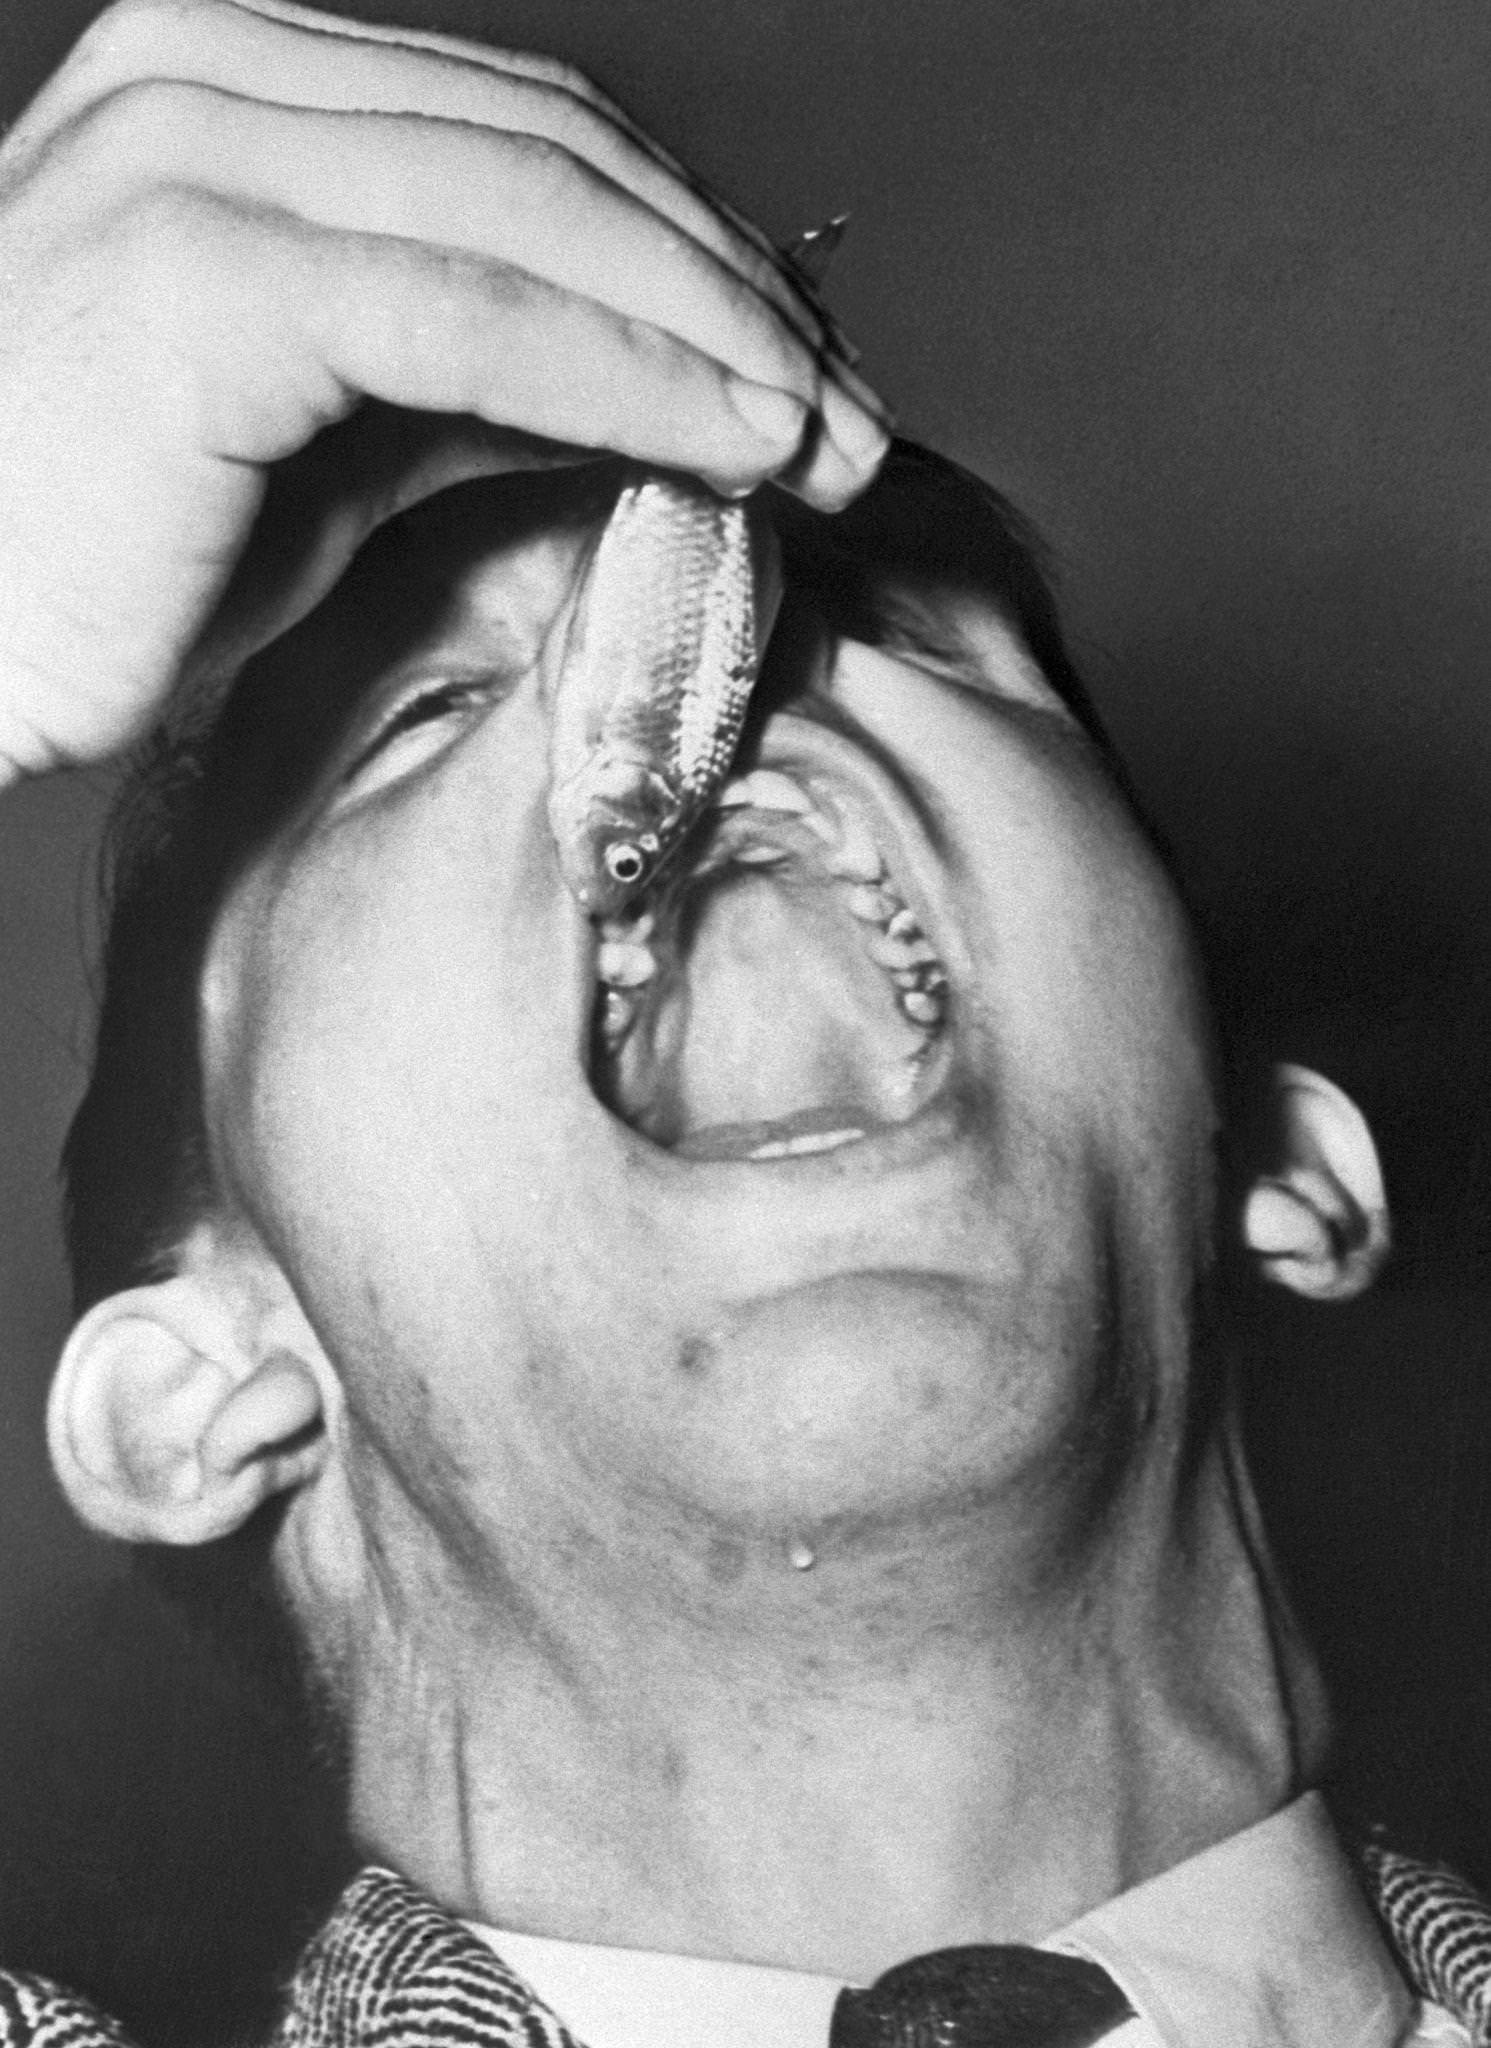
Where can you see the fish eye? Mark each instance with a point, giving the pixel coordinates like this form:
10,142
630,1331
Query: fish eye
625,863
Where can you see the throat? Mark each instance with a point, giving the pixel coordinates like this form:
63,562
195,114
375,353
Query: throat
768,1009
1013,1780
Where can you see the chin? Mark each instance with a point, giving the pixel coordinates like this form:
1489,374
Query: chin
871,1401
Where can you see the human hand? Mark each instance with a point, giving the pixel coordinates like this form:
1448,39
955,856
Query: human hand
225,225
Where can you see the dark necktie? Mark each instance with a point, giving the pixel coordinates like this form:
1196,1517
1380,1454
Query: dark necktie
1005,1997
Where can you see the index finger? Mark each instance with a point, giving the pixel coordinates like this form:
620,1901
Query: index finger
295,57
578,86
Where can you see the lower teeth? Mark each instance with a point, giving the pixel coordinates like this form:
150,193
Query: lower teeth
618,1013
806,1141
921,1007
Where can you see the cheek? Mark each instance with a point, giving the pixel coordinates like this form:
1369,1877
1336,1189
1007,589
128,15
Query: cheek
1091,977
348,1045
1140,1042
389,1070
373,992
334,1138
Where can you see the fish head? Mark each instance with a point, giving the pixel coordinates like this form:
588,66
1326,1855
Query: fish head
628,824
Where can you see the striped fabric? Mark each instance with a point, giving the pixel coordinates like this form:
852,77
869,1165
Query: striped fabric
1442,1932
390,1970
35,2013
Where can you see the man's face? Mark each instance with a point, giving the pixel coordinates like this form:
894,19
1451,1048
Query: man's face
805,1249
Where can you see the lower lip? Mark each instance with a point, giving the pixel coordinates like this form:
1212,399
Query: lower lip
751,1144
950,1108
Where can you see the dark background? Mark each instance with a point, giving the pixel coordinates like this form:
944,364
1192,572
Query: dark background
1207,289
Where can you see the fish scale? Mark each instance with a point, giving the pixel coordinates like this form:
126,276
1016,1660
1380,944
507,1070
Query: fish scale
655,686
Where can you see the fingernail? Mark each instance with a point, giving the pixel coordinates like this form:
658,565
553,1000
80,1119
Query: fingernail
726,486
860,438
775,416
864,395
822,474
837,346
840,347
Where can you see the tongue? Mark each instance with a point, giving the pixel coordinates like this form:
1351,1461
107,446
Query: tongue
778,1029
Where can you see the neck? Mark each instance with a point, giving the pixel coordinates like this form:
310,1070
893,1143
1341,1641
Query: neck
913,1742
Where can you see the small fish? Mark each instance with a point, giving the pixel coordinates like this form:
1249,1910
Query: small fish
655,685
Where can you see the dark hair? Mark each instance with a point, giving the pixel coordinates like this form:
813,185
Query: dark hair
195,807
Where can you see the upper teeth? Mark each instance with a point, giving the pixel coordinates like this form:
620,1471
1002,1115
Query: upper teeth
766,790
870,904
894,939
852,854
623,963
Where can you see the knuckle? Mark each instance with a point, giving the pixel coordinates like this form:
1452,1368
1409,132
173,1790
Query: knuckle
571,124
554,174
183,277
168,237
146,127
131,36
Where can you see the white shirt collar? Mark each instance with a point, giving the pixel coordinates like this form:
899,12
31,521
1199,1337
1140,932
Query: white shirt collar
1262,1942
1265,1941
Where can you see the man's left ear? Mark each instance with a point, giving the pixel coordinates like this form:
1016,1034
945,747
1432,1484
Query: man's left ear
1316,1219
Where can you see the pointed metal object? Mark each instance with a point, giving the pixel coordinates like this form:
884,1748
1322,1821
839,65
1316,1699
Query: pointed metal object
813,250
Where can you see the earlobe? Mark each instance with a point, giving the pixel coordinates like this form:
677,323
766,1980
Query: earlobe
165,1427
1316,1216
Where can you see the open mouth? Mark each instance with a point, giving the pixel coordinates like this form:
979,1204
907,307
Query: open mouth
774,995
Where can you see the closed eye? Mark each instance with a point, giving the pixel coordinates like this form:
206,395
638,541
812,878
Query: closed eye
407,732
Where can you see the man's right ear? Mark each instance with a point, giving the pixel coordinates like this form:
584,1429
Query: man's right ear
166,1426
